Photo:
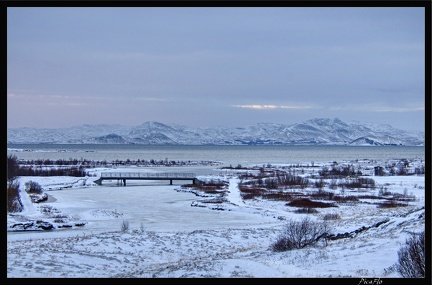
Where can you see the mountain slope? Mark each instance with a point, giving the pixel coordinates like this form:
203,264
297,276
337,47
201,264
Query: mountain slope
318,131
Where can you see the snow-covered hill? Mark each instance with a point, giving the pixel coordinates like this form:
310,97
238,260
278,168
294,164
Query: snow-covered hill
318,131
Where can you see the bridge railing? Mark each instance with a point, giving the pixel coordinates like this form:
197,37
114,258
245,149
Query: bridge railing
146,175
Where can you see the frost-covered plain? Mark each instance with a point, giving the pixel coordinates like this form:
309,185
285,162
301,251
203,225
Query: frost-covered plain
150,229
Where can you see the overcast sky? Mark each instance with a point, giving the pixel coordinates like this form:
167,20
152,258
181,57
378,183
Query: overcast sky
203,67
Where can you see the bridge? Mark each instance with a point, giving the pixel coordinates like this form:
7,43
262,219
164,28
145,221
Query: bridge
123,176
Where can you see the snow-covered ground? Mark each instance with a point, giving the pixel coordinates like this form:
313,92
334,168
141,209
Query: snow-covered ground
150,229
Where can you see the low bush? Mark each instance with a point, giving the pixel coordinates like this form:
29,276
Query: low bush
391,204
307,203
208,187
332,216
12,167
124,226
306,211
357,182
32,187
60,219
251,192
345,199
51,171
411,262
280,196
299,234
13,198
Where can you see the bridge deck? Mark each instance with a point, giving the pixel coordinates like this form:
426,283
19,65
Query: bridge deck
123,176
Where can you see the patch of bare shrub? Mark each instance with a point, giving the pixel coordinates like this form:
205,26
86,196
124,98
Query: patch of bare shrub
411,262
251,192
211,187
356,183
324,195
286,180
13,198
278,196
33,187
124,226
331,216
307,203
306,211
392,204
299,234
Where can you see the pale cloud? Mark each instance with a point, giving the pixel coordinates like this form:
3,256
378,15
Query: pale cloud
154,99
71,100
270,107
377,108
398,109
47,99
69,104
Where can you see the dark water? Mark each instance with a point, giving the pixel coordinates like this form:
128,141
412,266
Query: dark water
226,154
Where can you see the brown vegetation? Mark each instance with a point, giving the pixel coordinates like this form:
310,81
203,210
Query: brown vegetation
307,203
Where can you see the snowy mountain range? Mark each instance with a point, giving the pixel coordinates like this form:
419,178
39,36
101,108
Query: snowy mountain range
318,131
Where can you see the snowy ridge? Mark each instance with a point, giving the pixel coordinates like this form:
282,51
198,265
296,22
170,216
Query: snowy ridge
318,131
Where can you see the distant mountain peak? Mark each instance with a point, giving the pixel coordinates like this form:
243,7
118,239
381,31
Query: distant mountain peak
317,131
